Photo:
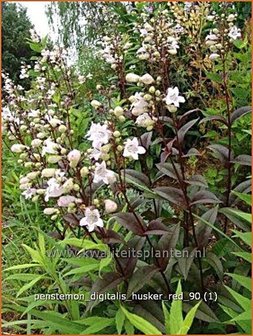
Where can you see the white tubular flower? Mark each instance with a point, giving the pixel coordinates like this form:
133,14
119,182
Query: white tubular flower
99,135
147,79
139,105
91,220
74,157
173,97
54,122
132,149
81,79
132,78
17,148
65,201
214,56
95,103
145,121
234,33
110,206
142,53
103,174
53,190
211,37
49,147
29,193
95,154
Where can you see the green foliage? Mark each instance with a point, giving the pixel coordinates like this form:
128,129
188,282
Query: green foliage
15,32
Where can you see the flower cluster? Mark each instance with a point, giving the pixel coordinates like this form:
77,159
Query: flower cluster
159,35
223,34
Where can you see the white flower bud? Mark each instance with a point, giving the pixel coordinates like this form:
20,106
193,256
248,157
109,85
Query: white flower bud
172,108
17,148
143,57
35,198
172,51
76,187
32,175
62,128
147,79
24,180
68,185
23,128
152,89
116,134
53,158
132,78
48,172
118,111
147,97
122,118
50,211
230,18
95,103
110,206
74,157
36,143
28,164
105,149
84,171
41,135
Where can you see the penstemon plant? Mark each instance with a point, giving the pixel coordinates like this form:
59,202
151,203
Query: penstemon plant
114,170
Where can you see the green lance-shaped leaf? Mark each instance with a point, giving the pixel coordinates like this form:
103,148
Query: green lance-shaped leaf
141,324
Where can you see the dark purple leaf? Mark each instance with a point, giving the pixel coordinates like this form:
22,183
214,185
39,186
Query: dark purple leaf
165,246
156,227
112,237
185,261
214,118
140,278
244,160
168,169
128,255
204,196
167,120
192,152
203,231
240,112
184,129
220,151
146,139
71,219
137,177
197,180
182,117
108,282
171,194
235,219
130,222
